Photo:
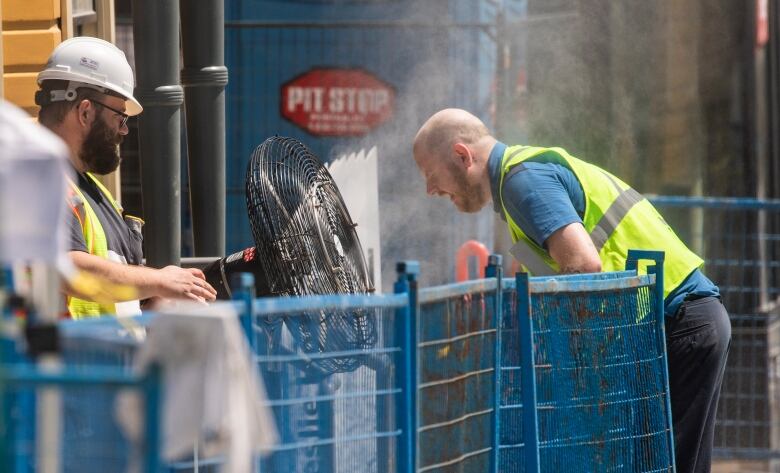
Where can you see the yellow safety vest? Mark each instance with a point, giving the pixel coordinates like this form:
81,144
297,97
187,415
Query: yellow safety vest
617,218
95,238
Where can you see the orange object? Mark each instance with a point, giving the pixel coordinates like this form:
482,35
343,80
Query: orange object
467,250
762,23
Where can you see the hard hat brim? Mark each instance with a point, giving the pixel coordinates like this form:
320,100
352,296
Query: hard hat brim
132,106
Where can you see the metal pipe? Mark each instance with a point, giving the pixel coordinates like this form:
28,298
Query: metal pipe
204,78
156,38
773,81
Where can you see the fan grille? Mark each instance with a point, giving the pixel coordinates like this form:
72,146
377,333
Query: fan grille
307,244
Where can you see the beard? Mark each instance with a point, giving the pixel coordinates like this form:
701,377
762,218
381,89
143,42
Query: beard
100,150
469,198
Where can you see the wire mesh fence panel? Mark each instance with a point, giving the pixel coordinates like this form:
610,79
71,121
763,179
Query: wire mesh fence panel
600,375
738,239
331,420
90,439
456,377
67,415
511,442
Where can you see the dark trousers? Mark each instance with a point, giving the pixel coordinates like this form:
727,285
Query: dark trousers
697,344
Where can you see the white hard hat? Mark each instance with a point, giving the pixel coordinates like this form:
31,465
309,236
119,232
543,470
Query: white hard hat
84,60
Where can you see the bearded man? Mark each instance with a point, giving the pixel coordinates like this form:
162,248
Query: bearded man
86,98
568,216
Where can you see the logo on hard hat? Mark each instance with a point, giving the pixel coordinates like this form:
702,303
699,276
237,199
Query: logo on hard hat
90,63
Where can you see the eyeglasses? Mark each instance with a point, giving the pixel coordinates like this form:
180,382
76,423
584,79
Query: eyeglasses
124,116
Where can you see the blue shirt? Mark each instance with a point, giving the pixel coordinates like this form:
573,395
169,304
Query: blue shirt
547,196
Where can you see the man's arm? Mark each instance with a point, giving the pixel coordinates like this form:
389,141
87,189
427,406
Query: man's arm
170,282
546,200
571,247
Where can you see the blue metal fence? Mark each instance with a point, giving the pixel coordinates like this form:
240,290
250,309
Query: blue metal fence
588,351
738,239
92,372
334,420
441,383
456,380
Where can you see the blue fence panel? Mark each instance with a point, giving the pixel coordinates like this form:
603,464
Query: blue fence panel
432,379
456,333
96,367
738,239
599,373
335,391
511,441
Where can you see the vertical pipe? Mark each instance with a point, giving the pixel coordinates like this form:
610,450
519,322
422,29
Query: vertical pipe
496,270
527,376
773,81
748,76
204,77
407,366
156,38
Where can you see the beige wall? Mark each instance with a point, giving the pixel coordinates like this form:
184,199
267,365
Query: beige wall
30,31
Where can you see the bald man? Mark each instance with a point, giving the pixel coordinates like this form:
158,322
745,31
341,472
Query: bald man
569,216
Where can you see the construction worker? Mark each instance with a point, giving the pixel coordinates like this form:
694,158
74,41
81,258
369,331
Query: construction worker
569,216
86,97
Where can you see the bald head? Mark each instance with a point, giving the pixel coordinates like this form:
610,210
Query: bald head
446,128
452,149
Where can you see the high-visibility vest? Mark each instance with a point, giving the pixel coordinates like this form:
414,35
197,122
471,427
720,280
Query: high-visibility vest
617,218
97,245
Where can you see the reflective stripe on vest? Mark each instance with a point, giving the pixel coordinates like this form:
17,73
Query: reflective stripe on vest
95,239
617,218
624,202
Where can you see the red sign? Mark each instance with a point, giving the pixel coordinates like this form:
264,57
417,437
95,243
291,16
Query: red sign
337,102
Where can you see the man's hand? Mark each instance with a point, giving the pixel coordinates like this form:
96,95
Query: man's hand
185,283
170,282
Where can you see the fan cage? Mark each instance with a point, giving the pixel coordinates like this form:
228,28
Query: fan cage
306,245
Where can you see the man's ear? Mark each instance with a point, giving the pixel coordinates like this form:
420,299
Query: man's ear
83,111
464,153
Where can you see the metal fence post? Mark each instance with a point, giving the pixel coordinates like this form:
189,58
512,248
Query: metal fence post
527,381
406,412
243,287
632,263
495,269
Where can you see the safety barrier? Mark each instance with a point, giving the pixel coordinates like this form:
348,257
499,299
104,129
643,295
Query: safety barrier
738,240
340,403
599,381
61,416
436,379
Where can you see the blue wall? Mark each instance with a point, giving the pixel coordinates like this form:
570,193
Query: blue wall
430,67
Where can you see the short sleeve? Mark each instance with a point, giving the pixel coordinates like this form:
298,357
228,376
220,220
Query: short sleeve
75,241
538,201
